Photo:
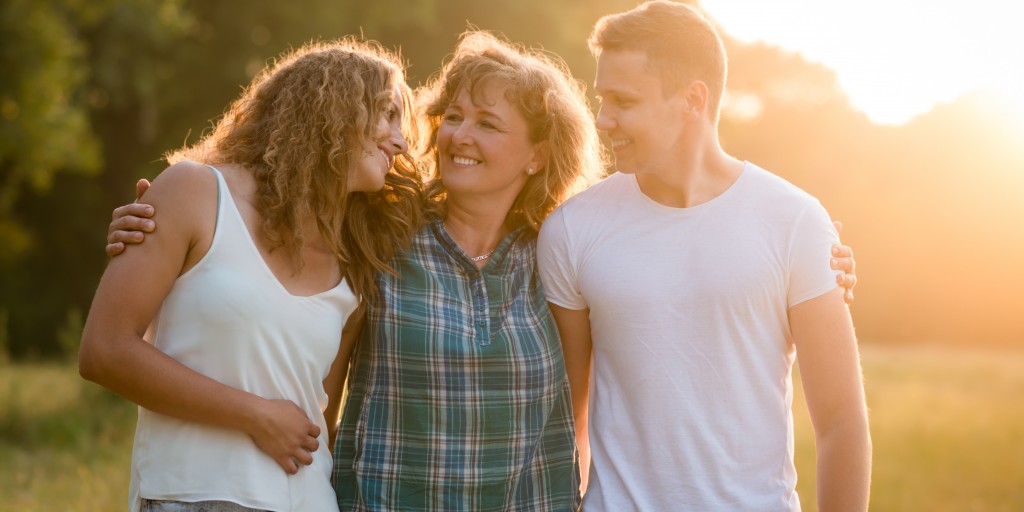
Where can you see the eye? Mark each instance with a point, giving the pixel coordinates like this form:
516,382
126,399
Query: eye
617,101
451,117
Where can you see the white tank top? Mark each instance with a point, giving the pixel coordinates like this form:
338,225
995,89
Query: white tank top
229,318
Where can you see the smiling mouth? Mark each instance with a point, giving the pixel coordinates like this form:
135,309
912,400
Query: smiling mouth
389,159
461,160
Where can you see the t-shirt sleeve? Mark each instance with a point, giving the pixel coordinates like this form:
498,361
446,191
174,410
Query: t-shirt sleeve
810,274
556,264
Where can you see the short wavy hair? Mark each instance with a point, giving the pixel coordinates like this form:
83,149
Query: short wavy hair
299,127
680,43
553,103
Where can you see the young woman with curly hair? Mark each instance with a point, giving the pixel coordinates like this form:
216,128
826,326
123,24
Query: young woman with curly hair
272,228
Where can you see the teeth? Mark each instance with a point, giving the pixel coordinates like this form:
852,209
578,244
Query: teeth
619,142
461,160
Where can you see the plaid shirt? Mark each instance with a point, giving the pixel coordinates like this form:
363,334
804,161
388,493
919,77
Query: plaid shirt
458,398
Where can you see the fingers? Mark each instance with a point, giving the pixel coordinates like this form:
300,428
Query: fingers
287,464
842,259
311,444
842,251
132,210
128,229
847,281
140,188
838,225
284,431
114,249
303,457
843,264
298,456
126,237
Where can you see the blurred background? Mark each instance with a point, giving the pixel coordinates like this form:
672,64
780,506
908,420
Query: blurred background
905,118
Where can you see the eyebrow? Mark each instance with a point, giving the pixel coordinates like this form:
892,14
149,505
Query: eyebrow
482,112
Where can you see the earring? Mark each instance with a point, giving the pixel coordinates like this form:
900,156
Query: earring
530,171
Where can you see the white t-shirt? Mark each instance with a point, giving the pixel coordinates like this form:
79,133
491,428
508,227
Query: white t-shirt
229,318
691,389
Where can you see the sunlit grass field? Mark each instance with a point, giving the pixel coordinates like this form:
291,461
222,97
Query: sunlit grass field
947,424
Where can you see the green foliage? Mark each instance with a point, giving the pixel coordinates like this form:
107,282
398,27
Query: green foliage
69,335
94,92
43,122
5,354
73,70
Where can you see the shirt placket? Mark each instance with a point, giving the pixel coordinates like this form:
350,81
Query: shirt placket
481,310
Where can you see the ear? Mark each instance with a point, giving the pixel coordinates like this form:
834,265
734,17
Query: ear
695,96
541,152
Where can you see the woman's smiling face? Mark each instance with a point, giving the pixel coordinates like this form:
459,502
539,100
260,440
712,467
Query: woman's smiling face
483,144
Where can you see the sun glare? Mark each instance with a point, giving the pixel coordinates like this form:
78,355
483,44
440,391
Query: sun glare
894,58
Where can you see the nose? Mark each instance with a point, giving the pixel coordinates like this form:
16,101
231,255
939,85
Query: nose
392,137
398,142
461,134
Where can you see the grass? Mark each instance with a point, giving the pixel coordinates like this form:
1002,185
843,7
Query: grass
947,425
65,443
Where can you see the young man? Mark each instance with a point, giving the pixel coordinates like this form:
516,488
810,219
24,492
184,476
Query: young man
688,283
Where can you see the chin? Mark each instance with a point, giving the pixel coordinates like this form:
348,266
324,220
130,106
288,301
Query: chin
625,168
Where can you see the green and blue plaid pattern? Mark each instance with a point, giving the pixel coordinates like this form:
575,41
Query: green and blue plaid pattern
458,399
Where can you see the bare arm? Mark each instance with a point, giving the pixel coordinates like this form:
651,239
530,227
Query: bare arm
334,384
830,370
577,347
115,355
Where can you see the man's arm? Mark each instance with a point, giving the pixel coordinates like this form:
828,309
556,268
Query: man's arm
830,370
574,329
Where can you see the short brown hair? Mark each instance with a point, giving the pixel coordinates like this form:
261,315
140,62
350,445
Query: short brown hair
680,43
553,103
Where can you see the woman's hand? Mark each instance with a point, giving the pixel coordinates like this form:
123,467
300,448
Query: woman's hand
842,259
283,431
130,222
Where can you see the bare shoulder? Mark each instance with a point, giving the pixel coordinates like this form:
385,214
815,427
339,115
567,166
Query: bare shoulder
184,199
186,180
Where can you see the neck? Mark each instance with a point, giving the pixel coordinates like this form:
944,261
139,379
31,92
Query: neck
699,172
477,232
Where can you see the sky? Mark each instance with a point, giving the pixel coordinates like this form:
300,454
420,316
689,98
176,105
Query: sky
894,58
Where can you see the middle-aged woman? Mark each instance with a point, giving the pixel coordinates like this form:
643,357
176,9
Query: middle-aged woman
458,398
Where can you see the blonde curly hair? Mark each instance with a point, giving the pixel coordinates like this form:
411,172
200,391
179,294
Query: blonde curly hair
299,127
553,103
